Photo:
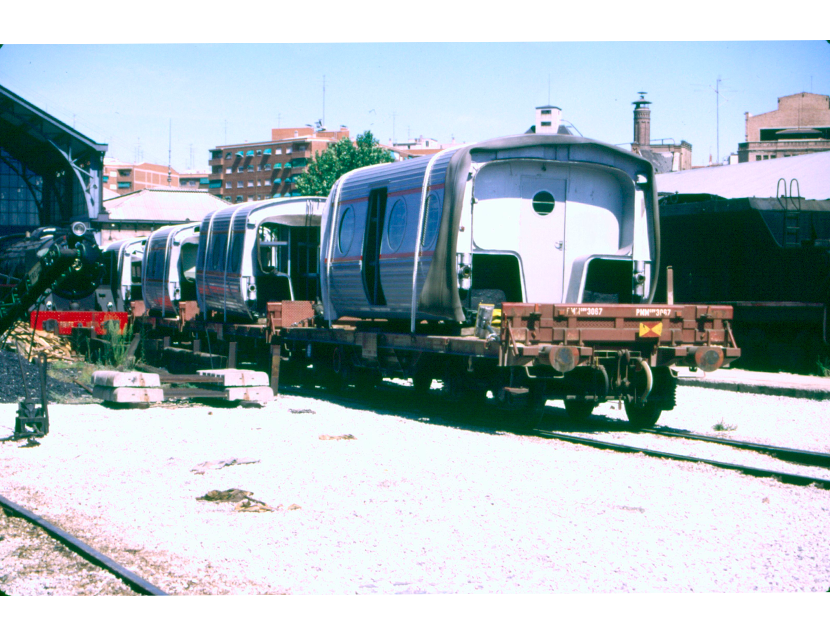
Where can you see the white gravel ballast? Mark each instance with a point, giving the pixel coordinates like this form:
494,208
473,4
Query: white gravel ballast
337,500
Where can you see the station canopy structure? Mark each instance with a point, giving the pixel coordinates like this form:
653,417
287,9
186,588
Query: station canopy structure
50,174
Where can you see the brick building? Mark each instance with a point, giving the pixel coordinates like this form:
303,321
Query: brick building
413,148
800,125
266,169
194,180
124,178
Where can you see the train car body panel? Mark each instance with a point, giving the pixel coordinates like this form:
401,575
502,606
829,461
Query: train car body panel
521,219
372,228
123,260
248,255
162,281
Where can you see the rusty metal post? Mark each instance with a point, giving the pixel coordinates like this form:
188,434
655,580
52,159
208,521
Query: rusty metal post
275,368
231,354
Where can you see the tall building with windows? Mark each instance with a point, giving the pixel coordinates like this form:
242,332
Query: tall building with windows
124,178
266,169
800,125
194,180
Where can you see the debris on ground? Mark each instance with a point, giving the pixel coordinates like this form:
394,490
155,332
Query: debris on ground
218,465
301,411
243,500
35,342
250,505
342,437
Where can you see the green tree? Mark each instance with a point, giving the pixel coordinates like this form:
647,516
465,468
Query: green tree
341,157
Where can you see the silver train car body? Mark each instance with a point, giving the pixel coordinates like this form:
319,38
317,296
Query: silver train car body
254,253
168,268
123,260
527,218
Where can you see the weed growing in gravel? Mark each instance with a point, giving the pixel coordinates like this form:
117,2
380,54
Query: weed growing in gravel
720,426
120,342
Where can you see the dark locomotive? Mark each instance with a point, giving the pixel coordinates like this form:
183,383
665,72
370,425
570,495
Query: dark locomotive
767,258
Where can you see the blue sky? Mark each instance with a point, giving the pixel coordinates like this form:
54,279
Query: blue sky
130,95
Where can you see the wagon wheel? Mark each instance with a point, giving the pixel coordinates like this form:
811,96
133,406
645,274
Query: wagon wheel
642,415
454,389
458,391
534,408
340,372
366,379
422,380
579,410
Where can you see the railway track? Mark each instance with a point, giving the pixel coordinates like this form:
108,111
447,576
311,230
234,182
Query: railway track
784,477
394,398
87,553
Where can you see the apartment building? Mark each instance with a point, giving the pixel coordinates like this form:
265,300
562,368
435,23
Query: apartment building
194,180
267,169
800,125
124,178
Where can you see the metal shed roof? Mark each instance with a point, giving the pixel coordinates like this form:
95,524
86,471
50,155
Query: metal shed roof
755,179
162,205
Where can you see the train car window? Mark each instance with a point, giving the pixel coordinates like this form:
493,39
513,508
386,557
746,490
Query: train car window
608,282
432,221
543,203
346,233
236,252
397,225
273,245
219,252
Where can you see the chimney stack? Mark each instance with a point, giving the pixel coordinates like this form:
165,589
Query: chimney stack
642,122
547,119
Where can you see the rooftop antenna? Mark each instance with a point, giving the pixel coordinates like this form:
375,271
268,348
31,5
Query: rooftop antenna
169,152
717,119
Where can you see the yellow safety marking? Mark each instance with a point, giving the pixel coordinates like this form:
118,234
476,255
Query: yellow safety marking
651,329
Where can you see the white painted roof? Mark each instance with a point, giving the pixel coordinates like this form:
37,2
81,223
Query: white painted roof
755,179
173,206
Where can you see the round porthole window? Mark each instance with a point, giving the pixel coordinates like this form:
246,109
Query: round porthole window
432,221
397,225
346,233
543,203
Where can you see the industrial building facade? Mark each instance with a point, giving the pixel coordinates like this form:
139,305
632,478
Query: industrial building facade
267,169
50,174
801,125
125,178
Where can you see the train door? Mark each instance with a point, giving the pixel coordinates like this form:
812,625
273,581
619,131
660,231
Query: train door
375,217
519,232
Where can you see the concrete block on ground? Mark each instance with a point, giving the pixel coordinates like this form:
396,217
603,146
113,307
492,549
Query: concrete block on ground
260,394
128,394
115,379
233,378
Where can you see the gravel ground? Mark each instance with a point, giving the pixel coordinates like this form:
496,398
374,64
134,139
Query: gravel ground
420,505
58,382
